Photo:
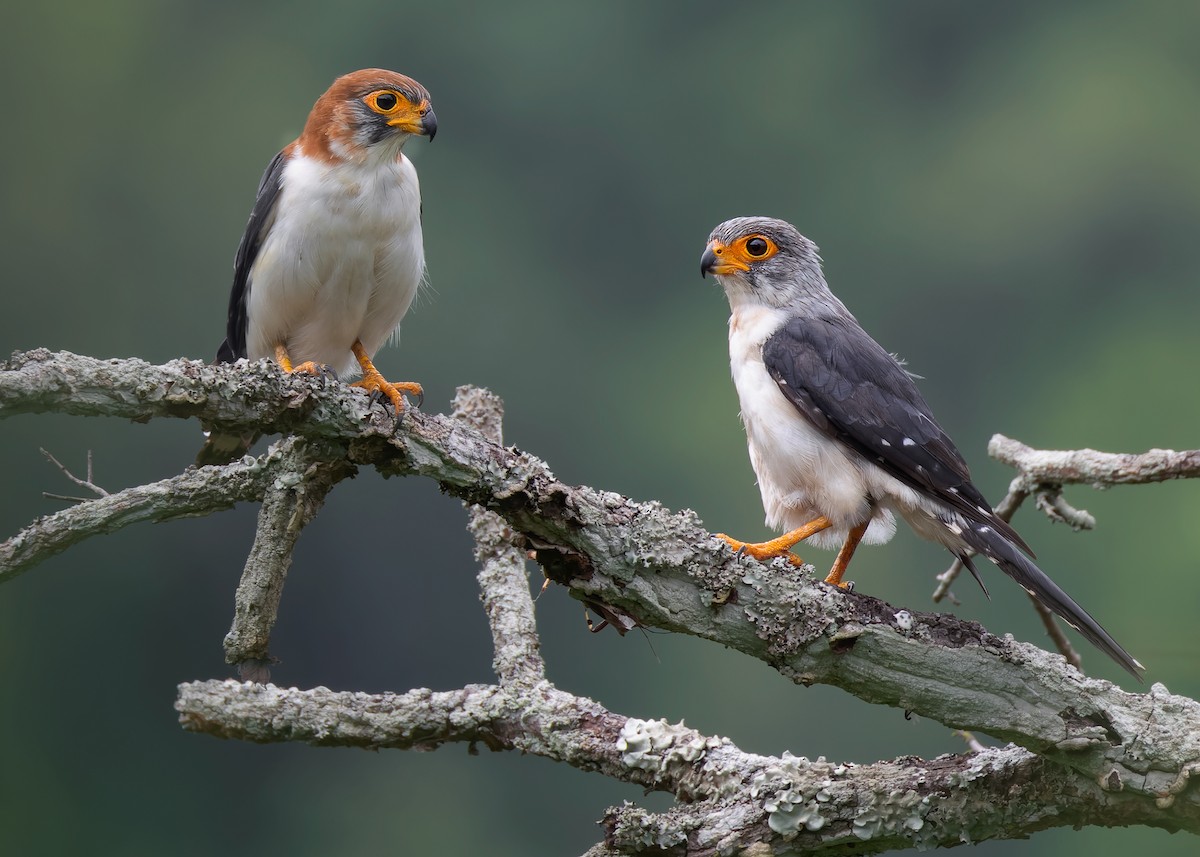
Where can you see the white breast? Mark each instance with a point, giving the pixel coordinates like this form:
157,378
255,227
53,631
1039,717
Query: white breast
801,474
342,261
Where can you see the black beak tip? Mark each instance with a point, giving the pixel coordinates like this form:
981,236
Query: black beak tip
707,261
429,124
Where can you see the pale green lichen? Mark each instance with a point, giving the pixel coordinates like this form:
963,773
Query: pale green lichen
725,782
897,814
288,479
638,827
790,807
798,795
658,746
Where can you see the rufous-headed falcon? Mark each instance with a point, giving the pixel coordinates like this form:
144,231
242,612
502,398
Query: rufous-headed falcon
332,255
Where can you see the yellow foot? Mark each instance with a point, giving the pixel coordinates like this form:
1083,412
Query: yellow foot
762,551
308,367
373,382
781,546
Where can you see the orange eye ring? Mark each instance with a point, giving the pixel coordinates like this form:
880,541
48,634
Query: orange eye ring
756,247
385,101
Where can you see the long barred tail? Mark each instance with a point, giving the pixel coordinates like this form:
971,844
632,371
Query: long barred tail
1009,559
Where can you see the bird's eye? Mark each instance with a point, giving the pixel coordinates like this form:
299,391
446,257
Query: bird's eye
756,247
382,102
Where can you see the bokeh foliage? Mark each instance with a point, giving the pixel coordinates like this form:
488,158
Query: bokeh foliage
1006,193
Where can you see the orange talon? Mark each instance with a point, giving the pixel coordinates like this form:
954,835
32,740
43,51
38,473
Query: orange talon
782,546
373,382
309,367
760,551
285,361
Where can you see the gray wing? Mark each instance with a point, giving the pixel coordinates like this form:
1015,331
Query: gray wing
261,218
849,387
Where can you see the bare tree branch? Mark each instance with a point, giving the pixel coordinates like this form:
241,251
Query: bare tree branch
189,494
82,483
730,799
503,582
303,479
1089,467
1108,757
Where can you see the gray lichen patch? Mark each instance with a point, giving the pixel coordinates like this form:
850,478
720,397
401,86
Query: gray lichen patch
795,794
666,750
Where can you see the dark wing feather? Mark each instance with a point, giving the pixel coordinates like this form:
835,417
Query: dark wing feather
261,218
849,387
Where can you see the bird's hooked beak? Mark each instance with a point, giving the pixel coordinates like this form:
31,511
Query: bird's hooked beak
428,122
420,121
718,260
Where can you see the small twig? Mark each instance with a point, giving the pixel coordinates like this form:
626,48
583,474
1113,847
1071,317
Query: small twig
1051,502
972,742
70,498
82,483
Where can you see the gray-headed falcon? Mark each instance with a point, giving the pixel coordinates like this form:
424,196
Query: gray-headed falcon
840,438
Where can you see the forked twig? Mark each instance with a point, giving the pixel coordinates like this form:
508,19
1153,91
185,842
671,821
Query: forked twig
88,483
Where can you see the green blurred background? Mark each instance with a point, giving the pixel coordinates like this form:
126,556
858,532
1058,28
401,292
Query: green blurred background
1006,194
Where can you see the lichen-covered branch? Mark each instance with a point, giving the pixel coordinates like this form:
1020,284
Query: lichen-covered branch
305,474
1089,467
240,397
187,495
643,564
730,800
503,582
942,802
